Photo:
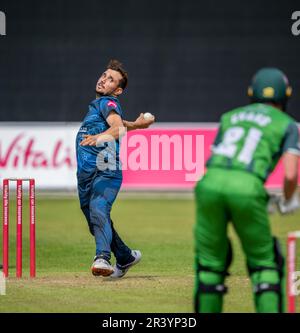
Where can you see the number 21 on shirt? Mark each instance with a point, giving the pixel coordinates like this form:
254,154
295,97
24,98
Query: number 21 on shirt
232,139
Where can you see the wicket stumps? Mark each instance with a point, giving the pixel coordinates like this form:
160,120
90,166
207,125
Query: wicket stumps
291,269
19,204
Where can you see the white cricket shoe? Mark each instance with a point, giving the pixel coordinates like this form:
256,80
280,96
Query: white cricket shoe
101,267
120,271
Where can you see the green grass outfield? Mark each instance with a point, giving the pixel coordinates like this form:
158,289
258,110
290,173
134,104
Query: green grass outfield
162,282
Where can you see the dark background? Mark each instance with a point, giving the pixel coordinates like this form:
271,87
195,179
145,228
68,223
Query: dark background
188,60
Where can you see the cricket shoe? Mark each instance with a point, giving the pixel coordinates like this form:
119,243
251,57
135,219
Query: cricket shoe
101,267
120,271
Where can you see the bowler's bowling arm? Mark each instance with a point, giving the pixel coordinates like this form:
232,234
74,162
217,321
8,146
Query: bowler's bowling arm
115,130
139,123
118,128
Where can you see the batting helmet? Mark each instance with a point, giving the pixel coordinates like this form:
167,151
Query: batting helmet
270,85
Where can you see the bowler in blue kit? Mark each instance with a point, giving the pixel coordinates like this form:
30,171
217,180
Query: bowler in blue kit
99,172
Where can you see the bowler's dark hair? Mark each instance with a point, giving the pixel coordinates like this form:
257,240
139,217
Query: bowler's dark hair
117,66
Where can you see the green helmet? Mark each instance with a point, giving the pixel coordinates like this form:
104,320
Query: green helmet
270,85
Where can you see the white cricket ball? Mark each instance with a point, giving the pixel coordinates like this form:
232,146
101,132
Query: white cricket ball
148,116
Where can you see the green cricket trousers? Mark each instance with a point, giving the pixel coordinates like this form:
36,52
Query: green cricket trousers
239,197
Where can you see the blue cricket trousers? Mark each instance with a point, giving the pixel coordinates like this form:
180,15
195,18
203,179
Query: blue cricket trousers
97,193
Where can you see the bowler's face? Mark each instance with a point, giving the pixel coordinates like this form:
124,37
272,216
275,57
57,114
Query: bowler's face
108,82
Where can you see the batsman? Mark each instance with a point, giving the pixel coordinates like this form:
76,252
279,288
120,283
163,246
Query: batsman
250,141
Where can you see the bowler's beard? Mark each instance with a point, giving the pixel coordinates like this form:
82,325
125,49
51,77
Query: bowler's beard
98,94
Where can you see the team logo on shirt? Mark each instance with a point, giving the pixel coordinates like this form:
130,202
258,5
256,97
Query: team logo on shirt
111,103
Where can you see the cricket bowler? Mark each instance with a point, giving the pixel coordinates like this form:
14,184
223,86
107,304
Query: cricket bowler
99,171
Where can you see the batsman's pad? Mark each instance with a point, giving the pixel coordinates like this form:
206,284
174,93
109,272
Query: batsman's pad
267,283
210,286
